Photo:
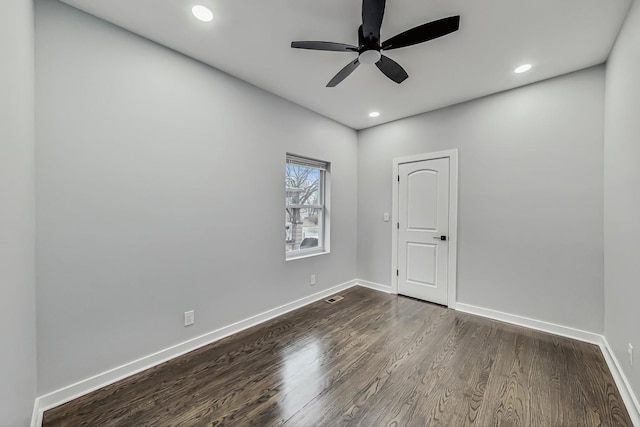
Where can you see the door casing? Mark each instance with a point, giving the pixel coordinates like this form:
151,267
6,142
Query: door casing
452,155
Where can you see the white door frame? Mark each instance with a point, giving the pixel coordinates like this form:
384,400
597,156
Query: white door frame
452,155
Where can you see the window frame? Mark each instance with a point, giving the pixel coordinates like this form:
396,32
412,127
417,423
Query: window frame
322,207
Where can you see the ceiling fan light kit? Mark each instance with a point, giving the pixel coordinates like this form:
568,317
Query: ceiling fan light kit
369,56
370,49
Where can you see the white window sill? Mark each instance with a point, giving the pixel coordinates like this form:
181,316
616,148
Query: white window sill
305,255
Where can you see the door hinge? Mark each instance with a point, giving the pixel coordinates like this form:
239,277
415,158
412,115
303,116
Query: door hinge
397,272
398,226
398,178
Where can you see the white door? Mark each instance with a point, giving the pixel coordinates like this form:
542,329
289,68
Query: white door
423,229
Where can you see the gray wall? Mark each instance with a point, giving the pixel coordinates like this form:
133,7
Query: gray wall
17,300
530,197
622,197
160,185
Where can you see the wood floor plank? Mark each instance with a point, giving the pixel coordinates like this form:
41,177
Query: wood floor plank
387,352
406,385
371,359
429,361
547,404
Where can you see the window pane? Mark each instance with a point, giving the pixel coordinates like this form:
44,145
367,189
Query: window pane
304,205
303,185
303,228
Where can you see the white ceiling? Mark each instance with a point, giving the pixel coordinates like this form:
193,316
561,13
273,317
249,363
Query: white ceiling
250,39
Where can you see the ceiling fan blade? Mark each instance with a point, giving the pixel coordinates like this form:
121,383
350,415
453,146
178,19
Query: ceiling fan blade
330,46
344,73
372,14
392,69
423,33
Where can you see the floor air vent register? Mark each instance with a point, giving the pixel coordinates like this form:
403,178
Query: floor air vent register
334,299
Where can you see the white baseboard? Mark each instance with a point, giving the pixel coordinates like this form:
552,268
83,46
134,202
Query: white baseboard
539,325
73,391
375,286
624,387
36,414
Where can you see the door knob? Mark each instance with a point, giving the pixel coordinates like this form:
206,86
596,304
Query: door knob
440,237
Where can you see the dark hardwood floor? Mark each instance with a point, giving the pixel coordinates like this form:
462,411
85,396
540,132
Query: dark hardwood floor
371,359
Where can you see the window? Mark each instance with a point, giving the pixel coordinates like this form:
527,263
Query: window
306,213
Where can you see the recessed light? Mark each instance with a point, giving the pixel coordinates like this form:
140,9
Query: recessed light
374,114
202,13
522,69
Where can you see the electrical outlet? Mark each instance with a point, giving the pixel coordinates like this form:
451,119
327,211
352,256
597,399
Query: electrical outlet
189,318
313,279
630,351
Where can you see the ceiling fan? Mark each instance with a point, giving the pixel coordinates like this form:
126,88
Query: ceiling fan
369,47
